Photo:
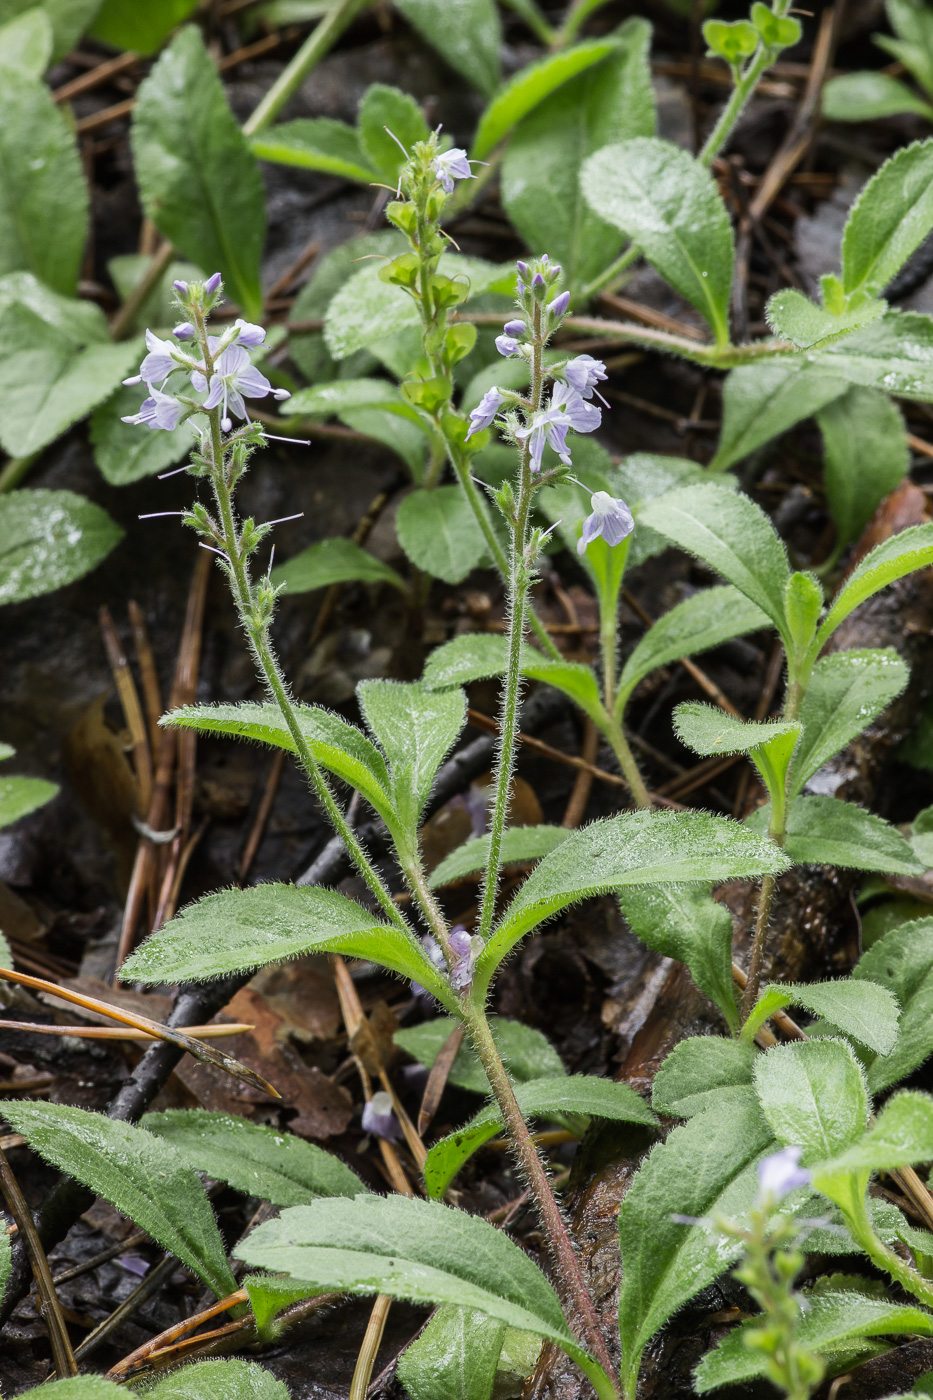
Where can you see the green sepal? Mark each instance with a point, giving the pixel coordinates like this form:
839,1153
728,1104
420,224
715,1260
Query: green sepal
402,271
777,33
803,601
733,42
428,394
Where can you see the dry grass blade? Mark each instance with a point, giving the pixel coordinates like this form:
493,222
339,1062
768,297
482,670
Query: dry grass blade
129,703
155,1028
62,1353
437,1079
115,1033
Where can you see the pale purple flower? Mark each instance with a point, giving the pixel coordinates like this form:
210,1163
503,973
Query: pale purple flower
538,279
436,956
522,267
507,345
466,951
584,417
158,364
611,519
549,426
485,411
560,303
213,284
183,332
515,328
781,1173
452,165
234,376
181,288
378,1117
583,373
158,411
248,334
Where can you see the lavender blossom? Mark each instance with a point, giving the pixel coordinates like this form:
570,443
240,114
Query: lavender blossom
234,376
436,956
515,328
181,288
158,411
485,411
584,417
583,373
522,268
248,334
559,305
610,519
548,426
212,284
378,1117
780,1174
507,345
452,165
183,332
467,950
158,364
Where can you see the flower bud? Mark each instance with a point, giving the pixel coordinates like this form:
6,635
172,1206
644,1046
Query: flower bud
558,306
515,328
181,288
212,284
183,332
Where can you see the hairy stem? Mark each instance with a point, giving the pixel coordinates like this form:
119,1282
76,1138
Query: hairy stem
741,93
759,943
627,762
319,41
863,1231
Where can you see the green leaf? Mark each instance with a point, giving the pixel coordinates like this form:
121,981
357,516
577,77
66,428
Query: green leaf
387,109
125,453
891,217
668,204
88,1387
762,401
901,1135
866,97
454,1358
332,561
272,1166
48,539
708,730
147,1180
233,930
813,1094
901,554
69,19
706,1167
125,24
847,691
475,656
827,831
315,144
519,844
420,1250
866,456
794,317
641,477
862,1010
539,1098
47,382
732,535
20,796
913,25
532,85
336,744
686,923
525,1052
438,531
198,180
825,1324
894,353
466,33
26,43
43,195
540,169
701,622
78,322
699,1071
416,727
902,961
220,1380
637,848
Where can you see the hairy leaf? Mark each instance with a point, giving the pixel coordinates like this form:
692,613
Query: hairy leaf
273,1166
88,1387
902,961
866,456
125,453
385,109
670,207
732,535
48,539
637,848
69,19
891,217
813,1094
318,143
454,1358
519,844
894,353
532,85
414,1249
828,831
26,43
438,531
124,24
761,401
20,796
828,1321
332,561
699,623
417,728
863,1010
539,1098
146,1179
475,656
705,1168
685,922
866,97
708,730
699,1072
233,930
198,180
794,317
847,691
892,559
901,1135
219,1380
525,1052
466,33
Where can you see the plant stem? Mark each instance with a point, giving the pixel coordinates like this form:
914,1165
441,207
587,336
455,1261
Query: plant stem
317,44
863,1231
15,469
741,93
627,762
759,942
609,275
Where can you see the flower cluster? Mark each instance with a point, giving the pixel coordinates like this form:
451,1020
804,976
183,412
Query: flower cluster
228,378
465,948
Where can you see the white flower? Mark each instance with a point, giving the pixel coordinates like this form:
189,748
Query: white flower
158,411
611,519
234,375
452,165
781,1173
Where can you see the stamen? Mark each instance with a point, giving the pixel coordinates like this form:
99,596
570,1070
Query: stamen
156,514
274,437
174,472
282,519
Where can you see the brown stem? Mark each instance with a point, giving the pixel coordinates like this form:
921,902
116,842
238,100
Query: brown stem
759,942
62,1353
